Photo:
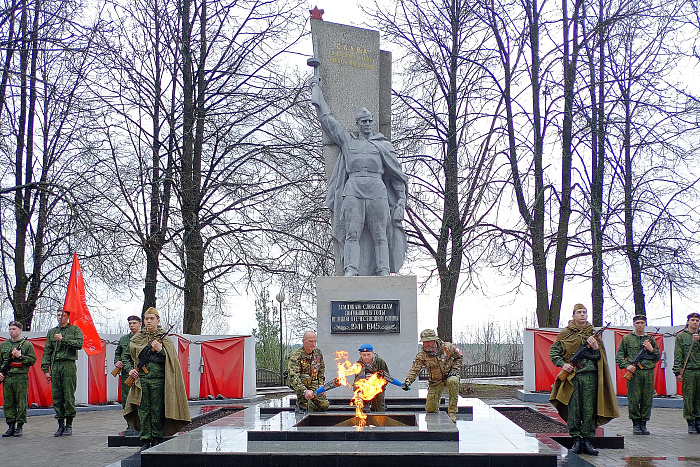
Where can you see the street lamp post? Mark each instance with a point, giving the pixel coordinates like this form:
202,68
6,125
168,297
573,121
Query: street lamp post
280,298
670,281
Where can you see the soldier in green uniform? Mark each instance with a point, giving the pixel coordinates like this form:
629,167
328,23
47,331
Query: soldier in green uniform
157,402
20,355
585,398
686,367
122,357
58,365
306,373
640,389
372,363
443,360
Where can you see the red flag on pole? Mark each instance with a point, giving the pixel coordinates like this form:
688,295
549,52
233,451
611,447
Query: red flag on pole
79,314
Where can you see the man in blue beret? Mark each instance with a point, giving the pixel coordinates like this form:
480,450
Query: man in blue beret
372,363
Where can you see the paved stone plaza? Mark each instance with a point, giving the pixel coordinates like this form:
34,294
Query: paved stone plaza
669,444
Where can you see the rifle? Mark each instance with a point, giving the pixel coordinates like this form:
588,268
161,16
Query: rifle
643,354
10,359
579,354
141,365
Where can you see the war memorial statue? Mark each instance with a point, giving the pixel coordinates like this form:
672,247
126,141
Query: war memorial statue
366,192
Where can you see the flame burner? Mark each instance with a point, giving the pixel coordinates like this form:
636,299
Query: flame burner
370,420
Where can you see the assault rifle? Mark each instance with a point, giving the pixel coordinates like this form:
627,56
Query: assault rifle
643,354
580,354
141,365
10,360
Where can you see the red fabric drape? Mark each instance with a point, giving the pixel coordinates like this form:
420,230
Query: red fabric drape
79,313
545,371
97,379
223,367
39,388
183,355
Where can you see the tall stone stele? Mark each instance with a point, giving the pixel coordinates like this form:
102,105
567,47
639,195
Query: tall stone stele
366,187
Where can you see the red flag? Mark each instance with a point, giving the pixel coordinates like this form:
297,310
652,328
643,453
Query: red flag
79,314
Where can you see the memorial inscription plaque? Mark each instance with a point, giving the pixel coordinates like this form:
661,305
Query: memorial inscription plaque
367,316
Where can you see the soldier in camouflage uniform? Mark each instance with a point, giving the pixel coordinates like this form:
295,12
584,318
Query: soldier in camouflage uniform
577,398
58,365
122,357
686,367
15,387
372,363
443,361
306,373
640,389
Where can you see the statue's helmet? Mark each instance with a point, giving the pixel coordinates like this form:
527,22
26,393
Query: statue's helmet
363,113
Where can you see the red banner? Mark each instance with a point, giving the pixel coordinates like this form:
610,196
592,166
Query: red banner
183,355
79,314
545,371
97,379
223,368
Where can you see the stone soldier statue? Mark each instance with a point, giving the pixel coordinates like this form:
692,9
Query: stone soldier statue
17,355
585,398
367,194
305,373
640,387
58,364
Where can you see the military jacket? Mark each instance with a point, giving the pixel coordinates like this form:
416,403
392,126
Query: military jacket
306,371
449,358
683,343
122,354
378,364
21,364
630,346
66,349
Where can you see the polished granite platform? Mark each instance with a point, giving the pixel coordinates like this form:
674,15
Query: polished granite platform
485,438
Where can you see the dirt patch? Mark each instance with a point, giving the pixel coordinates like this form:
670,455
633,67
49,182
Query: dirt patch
532,421
487,391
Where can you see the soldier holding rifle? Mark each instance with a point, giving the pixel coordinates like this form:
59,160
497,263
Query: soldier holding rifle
16,356
150,408
638,354
686,367
58,365
583,396
122,357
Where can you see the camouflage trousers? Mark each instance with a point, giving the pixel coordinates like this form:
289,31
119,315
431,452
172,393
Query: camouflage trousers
319,403
378,403
640,391
64,379
152,408
15,388
582,406
691,394
432,402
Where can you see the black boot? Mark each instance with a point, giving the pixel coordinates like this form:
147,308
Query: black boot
576,448
69,427
10,430
636,428
18,431
145,444
587,447
691,427
643,426
61,427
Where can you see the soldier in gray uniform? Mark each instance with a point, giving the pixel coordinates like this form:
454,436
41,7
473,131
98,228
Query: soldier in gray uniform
306,373
366,192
